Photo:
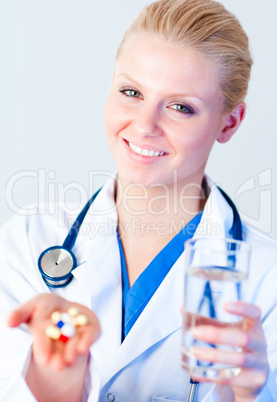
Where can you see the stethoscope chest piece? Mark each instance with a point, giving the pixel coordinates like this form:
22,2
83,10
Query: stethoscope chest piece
55,265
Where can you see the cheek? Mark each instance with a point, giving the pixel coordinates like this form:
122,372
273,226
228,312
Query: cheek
205,131
108,115
189,136
114,117
195,141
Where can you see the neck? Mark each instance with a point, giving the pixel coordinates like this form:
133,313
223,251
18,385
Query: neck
149,217
158,207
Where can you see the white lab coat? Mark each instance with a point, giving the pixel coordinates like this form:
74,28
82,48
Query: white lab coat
146,366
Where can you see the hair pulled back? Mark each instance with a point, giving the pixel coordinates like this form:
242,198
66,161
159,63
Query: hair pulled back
206,27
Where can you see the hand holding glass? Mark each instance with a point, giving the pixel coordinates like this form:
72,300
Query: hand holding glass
216,274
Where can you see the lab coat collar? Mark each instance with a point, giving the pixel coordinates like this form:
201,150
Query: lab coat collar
100,276
217,218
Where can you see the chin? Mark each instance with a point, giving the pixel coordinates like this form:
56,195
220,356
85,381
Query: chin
139,178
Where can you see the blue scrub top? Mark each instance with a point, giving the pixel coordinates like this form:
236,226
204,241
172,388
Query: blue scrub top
135,299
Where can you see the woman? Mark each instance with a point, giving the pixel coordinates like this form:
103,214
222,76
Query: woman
179,84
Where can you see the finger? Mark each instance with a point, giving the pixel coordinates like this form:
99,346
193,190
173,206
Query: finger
70,351
252,378
54,353
191,320
245,310
229,336
22,314
88,336
246,380
233,358
43,347
250,313
56,361
43,302
57,354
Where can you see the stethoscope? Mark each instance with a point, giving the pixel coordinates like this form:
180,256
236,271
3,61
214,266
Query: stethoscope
56,263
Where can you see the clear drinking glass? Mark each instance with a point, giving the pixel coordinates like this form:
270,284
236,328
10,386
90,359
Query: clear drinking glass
216,273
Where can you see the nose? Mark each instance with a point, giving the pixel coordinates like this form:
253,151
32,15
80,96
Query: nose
147,122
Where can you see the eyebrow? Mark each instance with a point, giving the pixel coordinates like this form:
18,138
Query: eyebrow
129,78
181,95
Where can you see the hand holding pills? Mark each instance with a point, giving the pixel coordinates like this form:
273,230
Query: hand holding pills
61,330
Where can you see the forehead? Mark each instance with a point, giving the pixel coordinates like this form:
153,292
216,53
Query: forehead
156,62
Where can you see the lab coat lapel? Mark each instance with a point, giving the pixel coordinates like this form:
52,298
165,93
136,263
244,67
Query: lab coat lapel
96,248
160,318
217,218
101,279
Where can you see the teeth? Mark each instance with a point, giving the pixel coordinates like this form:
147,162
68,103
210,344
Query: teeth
144,152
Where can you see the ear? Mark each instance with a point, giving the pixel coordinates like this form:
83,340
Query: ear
232,122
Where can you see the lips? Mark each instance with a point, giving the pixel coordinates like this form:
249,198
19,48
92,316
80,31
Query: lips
144,151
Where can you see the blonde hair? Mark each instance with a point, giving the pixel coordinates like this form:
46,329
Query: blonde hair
207,27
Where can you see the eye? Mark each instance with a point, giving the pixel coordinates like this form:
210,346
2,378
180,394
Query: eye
131,93
182,108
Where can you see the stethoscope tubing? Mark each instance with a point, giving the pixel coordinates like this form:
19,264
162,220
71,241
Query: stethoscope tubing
193,386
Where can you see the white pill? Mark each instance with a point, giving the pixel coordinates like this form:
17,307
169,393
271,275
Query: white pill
65,317
68,330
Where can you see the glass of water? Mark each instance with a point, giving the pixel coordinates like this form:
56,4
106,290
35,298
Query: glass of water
216,273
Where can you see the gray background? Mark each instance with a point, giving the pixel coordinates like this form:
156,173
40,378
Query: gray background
56,60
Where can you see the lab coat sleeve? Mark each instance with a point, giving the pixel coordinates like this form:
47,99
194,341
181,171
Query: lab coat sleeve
262,282
269,392
18,283
22,240
15,350
18,391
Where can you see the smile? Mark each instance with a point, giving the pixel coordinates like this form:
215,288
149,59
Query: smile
145,152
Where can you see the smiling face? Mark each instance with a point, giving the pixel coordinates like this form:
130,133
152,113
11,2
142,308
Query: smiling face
163,114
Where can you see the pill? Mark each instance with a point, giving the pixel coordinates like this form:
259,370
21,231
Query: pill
81,319
52,332
63,338
73,311
60,324
65,317
68,330
56,317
